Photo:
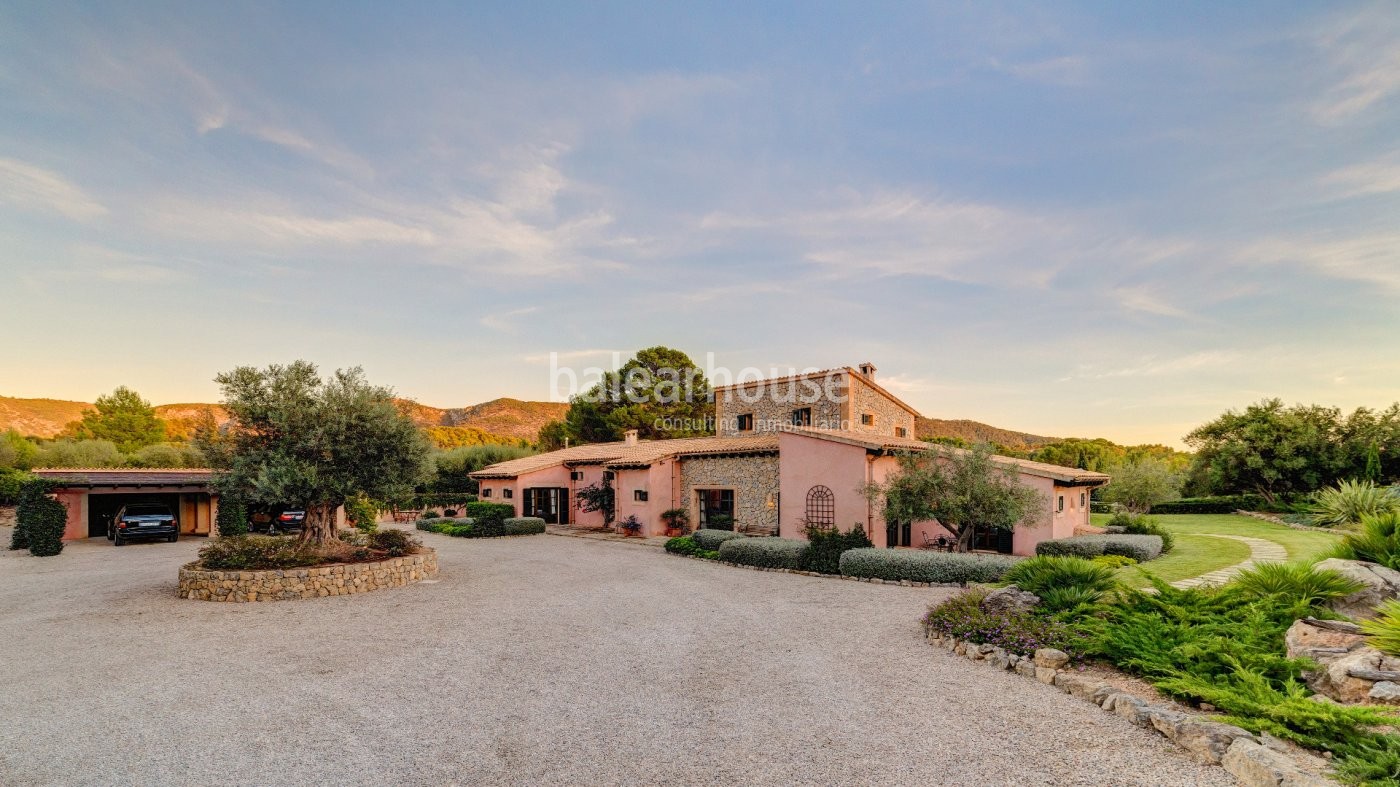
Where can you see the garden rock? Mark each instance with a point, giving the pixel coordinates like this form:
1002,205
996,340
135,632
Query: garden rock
1164,720
1077,685
1385,692
1129,707
1046,675
1382,584
1025,667
1051,658
1208,740
1253,765
1304,639
1340,679
1009,599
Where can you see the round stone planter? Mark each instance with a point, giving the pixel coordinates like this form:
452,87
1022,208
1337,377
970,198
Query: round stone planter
338,579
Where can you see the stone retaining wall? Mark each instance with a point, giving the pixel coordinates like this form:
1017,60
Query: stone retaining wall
340,579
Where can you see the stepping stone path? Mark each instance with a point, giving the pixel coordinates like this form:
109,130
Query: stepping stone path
1261,550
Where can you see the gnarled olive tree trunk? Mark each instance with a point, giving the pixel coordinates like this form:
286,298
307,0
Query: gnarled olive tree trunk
319,526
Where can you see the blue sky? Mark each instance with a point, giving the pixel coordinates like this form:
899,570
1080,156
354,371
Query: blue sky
1093,219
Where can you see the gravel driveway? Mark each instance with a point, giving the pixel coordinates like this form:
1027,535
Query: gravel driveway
536,660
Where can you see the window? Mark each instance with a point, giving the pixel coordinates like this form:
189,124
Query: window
640,495
1082,502
867,419
716,508
507,493
900,431
821,506
746,422
802,416
607,476
1060,504
486,492
576,475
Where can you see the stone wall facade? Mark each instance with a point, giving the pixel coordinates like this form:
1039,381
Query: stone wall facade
754,480
889,417
771,405
340,579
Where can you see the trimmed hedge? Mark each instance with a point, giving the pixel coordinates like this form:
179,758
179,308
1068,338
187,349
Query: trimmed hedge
524,526
1141,548
940,567
1223,504
480,508
1100,507
711,539
39,520
765,552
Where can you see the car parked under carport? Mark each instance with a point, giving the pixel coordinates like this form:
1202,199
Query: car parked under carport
93,497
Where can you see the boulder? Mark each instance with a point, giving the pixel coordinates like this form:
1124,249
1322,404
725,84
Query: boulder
1253,765
1321,641
1385,692
1051,658
1078,685
1208,740
1350,678
1009,599
1129,707
1046,675
999,658
1025,667
1382,584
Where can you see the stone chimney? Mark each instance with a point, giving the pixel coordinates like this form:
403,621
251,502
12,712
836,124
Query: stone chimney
868,369
630,437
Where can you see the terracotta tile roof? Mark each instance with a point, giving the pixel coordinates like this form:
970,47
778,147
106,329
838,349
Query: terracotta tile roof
644,452
1056,472
108,476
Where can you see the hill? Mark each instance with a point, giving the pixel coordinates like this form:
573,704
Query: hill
976,432
508,418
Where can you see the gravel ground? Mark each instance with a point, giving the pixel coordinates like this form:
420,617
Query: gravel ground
538,660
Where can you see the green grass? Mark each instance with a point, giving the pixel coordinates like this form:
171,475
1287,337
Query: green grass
1196,553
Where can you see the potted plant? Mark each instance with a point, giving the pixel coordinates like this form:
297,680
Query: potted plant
677,521
631,526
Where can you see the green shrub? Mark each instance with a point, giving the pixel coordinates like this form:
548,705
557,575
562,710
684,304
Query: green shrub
1295,582
1114,561
242,553
10,483
1142,525
1349,501
1141,548
720,522
962,617
232,516
676,519
39,520
765,552
827,544
524,526
1041,574
711,539
939,567
362,512
1223,504
682,545
1384,629
391,541
482,508
1377,541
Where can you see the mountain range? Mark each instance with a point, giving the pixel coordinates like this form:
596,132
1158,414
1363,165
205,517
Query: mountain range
512,418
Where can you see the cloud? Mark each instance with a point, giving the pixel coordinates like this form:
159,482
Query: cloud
1065,71
1361,54
1379,176
281,228
1368,258
28,187
503,322
1164,367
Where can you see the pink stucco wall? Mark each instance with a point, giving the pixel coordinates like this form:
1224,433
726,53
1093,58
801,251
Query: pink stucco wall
805,462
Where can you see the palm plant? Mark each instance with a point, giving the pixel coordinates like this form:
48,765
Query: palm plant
1377,541
1295,582
1061,582
1349,501
1384,629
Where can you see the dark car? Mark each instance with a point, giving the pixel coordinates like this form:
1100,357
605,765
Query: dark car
143,520
275,520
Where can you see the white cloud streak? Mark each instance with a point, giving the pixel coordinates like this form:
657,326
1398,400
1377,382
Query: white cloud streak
29,187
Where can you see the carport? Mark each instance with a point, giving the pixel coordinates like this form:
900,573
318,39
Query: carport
93,496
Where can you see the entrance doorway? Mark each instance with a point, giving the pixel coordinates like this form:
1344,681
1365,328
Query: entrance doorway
991,539
898,534
548,503
102,508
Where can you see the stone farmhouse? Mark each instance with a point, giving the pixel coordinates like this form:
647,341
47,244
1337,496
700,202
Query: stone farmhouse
787,451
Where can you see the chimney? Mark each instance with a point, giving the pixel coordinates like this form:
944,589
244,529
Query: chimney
630,437
868,369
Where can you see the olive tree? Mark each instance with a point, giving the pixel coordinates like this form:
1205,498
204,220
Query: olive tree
295,439
961,489
1137,486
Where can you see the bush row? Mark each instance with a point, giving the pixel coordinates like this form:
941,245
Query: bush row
486,527
940,567
711,539
765,552
1141,548
1223,504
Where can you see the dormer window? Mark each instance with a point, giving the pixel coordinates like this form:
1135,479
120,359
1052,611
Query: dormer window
900,431
746,422
802,416
867,419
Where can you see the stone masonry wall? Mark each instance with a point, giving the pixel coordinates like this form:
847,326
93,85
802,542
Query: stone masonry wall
295,583
888,415
773,411
753,478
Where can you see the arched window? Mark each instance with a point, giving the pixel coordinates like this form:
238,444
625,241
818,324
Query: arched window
821,506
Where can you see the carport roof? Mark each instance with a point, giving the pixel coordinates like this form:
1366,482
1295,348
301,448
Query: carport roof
107,476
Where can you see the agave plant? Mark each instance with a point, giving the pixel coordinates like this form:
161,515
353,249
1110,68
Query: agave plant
1349,501
1384,629
1044,573
1296,582
1377,541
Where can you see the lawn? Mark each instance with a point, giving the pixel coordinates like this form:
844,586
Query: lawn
1197,553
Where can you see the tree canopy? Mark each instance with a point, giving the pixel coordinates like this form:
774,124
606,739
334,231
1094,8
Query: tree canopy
122,417
1138,485
962,489
295,439
660,392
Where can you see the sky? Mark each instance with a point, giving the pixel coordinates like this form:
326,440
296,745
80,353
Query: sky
1088,219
